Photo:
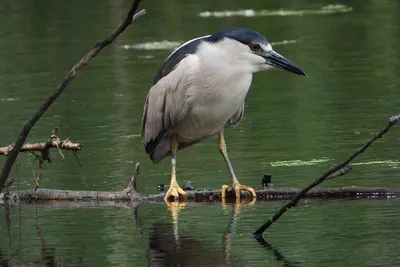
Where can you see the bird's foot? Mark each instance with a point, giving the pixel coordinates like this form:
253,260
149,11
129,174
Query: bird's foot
175,191
237,187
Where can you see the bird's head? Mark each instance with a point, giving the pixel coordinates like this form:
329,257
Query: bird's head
251,49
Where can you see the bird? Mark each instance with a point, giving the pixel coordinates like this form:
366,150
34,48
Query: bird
199,91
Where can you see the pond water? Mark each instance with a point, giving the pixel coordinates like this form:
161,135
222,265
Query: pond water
294,128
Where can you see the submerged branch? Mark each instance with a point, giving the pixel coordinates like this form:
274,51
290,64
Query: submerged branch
13,154
339,169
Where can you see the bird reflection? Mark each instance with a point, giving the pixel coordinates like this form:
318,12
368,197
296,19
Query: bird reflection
167,247
164,250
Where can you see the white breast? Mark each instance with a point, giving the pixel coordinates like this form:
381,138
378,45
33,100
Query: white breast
215,94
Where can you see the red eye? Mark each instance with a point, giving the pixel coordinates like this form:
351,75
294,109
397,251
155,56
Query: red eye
255,47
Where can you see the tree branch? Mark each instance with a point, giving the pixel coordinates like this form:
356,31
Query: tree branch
43,147
132,185
392,121
60,88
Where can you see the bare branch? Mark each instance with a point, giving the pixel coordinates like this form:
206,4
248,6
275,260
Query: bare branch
209,196
44,149
41,147
392,121
12,156
132,184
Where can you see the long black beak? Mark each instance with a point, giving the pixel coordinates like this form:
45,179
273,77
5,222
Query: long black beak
274,59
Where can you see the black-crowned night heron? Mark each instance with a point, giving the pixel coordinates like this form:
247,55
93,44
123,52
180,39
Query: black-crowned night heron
200,90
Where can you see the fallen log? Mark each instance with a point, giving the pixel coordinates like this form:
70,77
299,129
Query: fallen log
130,193
263,194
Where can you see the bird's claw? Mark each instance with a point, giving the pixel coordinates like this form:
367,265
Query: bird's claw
237,188
175,191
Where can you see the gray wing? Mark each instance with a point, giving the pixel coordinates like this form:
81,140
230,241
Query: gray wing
236,118
164,108
165,103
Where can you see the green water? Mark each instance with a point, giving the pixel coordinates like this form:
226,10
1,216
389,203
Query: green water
294,128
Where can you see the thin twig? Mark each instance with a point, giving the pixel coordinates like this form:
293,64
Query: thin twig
55,134
60,88
392,121
132,184
78,160
41,168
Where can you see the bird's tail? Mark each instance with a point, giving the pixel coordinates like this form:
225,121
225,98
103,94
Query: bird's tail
163,149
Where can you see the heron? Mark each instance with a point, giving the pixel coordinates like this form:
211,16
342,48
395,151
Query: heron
199,91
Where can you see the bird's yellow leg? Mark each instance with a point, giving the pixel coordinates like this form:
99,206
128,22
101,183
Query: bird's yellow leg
174,189
235,183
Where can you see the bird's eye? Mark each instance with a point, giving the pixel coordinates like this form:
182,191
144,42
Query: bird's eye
254,47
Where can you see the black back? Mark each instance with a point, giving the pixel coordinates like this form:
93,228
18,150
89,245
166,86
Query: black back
243,35
169,65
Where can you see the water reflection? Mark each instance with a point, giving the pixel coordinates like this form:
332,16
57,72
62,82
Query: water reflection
165,249
3,260
47,253
169,247
277,255
122,234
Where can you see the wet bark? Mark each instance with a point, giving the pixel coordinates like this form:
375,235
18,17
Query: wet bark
263,194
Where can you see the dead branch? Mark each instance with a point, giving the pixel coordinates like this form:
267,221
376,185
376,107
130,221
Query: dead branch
135,176
51,143
131,194
392,121
13,154
43,147
267,194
